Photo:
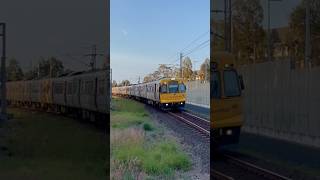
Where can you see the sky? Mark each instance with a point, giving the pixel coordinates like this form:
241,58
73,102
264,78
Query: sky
63,28
147,33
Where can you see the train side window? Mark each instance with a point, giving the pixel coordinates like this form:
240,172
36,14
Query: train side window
231,83
89,87
216,85
182,88
101,87
58,88
70,88
163,88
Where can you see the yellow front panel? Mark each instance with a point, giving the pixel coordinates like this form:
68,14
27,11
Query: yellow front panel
226,112
172,97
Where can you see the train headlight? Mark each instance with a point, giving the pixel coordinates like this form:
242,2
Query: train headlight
167,104
181,103
229,132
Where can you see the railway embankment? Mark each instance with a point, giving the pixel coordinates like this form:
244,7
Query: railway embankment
38,145
139,147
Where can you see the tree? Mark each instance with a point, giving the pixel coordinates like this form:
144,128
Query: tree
31,74
275,39
51,67
114,83
249,36
297,30
204,71
125,83
14,71
164,70
187,68
148,78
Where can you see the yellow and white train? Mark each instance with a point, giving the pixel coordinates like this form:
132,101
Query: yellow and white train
226,96
167,93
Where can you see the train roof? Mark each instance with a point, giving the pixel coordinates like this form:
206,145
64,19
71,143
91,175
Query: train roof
65,75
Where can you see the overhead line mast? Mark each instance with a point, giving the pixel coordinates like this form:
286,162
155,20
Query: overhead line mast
3,74
93,56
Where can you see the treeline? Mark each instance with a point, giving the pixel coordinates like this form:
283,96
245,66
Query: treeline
45,68
167,71
250,38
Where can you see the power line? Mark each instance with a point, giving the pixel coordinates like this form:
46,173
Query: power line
200,46
193,41
69,56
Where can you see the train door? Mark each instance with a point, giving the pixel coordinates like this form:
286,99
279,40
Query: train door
155,92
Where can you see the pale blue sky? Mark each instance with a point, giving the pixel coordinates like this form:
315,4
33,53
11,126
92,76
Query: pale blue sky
146,33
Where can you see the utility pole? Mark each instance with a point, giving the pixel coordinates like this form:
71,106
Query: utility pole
93,56
307,53
227,24
3,75
51,69
110,84
38,70
269,32
230,28
181,64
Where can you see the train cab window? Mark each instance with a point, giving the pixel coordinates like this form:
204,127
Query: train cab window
231,83
163,88
173,87
216,85
182,88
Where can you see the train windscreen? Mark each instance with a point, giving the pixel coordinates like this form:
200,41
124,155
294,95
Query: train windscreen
231,83
173,87
163,88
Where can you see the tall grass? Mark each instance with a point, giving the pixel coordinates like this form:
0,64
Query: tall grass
133,155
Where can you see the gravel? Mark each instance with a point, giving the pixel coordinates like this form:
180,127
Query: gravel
196,145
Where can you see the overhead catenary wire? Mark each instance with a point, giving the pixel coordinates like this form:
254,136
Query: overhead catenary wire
200,46
188,45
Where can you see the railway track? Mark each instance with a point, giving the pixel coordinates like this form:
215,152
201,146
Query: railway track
220,176
200,124
268,174
240,169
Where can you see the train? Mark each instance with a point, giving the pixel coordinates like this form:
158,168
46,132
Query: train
85,94
166,93
226,100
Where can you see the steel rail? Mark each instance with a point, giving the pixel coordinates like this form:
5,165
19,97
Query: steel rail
220,176
199,128
257,169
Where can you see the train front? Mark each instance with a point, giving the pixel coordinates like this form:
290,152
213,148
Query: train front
226,97
172,93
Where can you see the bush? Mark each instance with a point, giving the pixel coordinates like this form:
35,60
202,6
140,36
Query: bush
147,127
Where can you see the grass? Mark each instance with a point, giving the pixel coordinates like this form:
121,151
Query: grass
45,146
133,155
127,113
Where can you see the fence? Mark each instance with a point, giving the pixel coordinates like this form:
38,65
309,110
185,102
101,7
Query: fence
198,93
281,102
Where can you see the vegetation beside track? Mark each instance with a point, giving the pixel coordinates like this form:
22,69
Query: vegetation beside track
40,145
137,149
